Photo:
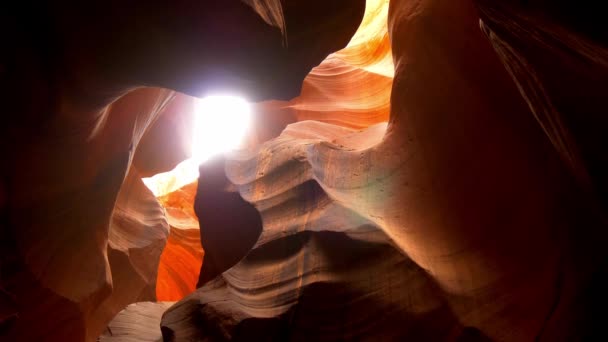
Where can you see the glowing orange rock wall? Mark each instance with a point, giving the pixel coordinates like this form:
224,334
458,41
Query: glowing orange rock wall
182,257
352,87
472,181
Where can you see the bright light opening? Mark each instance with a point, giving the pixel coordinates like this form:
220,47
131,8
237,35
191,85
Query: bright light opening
220,125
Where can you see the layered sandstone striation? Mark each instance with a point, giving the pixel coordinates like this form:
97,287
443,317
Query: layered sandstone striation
480,181
137,322
182,257
477,212
81,235
318,270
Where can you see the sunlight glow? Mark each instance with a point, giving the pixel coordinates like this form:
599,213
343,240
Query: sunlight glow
220,125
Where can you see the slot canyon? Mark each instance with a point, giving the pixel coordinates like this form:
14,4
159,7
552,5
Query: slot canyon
412,170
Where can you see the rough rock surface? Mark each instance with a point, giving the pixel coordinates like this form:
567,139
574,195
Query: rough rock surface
318,271
477,185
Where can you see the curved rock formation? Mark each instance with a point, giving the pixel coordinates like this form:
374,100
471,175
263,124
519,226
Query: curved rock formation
533,40
229,225
556,52
168,139
318,271
352,87
137,322
465,182
77,141
477,213
138,233
68,211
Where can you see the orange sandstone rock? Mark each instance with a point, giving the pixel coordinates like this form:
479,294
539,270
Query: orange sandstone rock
182,257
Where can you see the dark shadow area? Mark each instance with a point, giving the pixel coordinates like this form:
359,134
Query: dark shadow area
229,225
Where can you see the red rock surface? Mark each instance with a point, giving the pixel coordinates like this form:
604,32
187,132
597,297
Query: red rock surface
79,229
476,213
465,183
352,87
183,255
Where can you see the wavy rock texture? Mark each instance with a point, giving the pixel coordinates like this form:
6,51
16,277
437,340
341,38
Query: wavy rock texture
465,182
352,87
77,141
168,139
365,60
478,203
138,233
318,271
166,144
142,318
65,267
182,257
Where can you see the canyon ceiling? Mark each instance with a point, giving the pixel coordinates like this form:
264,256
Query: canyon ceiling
426,170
